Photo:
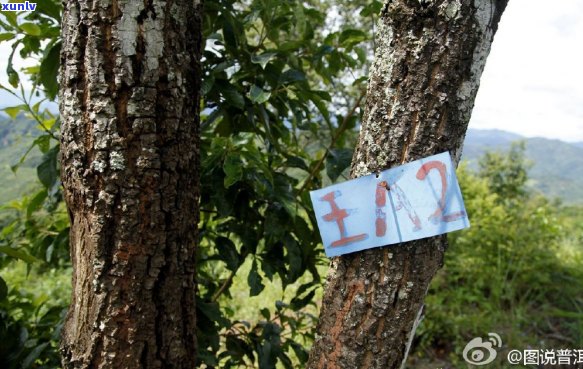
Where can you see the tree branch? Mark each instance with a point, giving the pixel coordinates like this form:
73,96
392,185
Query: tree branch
335,138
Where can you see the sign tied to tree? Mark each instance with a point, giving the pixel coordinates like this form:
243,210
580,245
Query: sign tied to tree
416,200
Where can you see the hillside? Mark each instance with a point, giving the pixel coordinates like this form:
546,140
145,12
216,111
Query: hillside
557,169
15,139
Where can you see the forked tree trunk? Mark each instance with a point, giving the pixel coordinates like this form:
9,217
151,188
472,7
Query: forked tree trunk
129,155
422,86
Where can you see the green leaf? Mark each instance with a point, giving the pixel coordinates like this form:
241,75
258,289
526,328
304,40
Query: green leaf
300,352
293,258
263,59
304,287
3,289
49,68
324,95
61,242
362,56
207,84
291,76
36,202
17,254
47,169
300,18
207,120
232,96
291,45
13,78
229,34
258,95
270,347
227,252
254,280
14,110
30,29
285,360
49,253
31,70
33,355
233,168
296,162
297,303
44,143
351,37
237,348
321,107
48,124
6,36
50,8
10,17
337,161
373,8
36,107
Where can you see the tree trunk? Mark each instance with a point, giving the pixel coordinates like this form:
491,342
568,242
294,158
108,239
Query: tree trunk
130,77
422,86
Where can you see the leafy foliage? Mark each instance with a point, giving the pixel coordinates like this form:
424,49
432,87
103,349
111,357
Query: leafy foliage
35,228
506,173
278,112
267,118
503,274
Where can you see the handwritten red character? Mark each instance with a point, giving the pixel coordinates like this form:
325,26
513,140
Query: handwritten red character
338,215
439,215
381,201
403,203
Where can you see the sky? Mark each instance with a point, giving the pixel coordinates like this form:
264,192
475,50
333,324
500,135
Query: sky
533,81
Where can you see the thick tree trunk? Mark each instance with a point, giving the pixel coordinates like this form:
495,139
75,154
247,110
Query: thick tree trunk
422,87
129,156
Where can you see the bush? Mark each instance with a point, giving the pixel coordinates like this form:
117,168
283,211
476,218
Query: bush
509,273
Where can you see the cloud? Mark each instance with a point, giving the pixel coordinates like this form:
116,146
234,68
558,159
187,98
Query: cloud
532,84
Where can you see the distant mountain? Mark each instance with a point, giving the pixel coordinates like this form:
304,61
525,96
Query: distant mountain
12,130
557,169
16,136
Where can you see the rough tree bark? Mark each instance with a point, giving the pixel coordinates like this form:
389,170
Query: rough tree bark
130,77
422,86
